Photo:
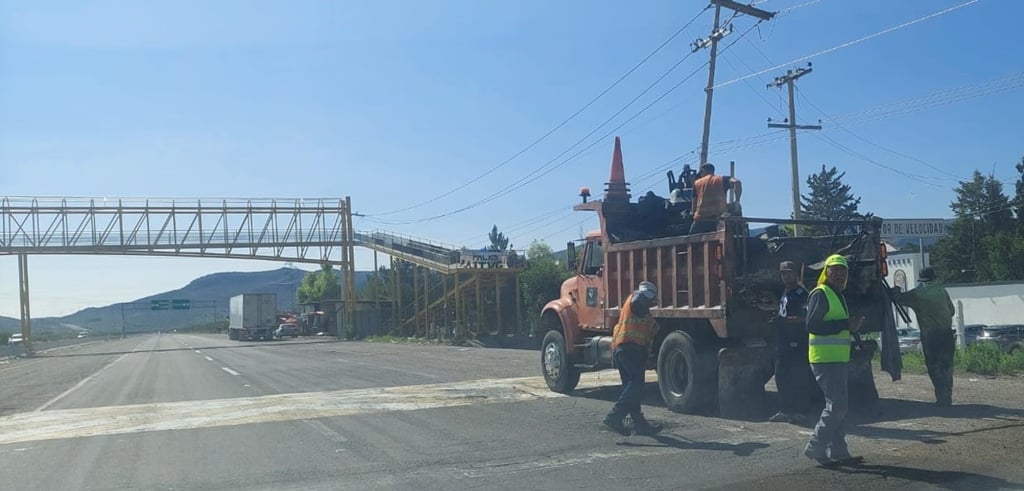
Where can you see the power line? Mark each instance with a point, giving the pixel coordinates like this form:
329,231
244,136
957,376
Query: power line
849,43
865,158
559,125
865,140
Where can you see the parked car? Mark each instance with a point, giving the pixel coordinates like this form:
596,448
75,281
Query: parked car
971,332
1009,338
286,330
910,339
15,338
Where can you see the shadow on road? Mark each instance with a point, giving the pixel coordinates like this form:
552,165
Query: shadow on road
744,449
183,348
901,410
938,479
610,393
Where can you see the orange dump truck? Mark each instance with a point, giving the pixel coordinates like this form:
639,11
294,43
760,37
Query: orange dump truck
717,294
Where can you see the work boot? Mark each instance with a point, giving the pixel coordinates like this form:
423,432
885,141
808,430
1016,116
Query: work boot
643,427
616,425
816,453
838,454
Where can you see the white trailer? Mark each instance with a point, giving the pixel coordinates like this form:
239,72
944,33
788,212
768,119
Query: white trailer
253,316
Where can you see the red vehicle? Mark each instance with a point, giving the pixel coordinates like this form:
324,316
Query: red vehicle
717,295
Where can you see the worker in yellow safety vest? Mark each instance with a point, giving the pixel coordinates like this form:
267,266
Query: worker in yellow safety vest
631,343
828,343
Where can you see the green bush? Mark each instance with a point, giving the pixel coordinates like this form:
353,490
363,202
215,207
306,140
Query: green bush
1013,363
983,358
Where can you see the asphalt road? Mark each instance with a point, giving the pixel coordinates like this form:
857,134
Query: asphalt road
175,411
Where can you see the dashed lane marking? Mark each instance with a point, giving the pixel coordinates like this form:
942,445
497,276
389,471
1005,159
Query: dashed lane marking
232,372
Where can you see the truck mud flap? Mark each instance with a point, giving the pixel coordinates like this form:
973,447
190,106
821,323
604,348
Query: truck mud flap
741,381
861,379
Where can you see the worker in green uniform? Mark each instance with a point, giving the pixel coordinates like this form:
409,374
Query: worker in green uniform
934,312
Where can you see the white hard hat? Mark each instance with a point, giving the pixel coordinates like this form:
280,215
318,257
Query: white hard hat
648,289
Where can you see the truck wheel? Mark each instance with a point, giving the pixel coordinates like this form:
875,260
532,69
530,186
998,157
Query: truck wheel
560,375
687,375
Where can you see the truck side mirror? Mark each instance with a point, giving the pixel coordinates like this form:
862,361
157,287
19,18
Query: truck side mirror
570,256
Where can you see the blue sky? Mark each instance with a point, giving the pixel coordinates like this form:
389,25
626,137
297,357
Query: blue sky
396,102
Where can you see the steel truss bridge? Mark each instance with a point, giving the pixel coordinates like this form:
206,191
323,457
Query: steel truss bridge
315,230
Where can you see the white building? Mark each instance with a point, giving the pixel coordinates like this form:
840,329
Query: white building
903,272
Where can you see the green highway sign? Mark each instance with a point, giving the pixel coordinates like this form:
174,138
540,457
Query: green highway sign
181,304
159,305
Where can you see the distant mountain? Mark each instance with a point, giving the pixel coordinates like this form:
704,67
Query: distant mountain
217,287
9,324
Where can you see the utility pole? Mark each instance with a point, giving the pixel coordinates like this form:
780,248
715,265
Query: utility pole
790,123
718,32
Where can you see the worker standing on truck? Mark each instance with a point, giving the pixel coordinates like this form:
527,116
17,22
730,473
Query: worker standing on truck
934,311
828,338
709,203
793,376
631,343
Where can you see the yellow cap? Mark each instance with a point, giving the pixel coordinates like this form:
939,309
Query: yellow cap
833,260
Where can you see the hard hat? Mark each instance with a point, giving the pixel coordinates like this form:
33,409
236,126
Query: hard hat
648,289
833,260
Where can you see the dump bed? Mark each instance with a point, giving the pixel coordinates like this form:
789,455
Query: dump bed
732,280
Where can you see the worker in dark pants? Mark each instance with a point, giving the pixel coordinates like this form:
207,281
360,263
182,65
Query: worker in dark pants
631,344
709,203
934,310
793,376
828,339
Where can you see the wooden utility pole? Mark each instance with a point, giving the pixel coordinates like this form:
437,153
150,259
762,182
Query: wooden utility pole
790,123
717,33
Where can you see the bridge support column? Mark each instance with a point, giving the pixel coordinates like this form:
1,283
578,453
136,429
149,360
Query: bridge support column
479,324
396,299
426,302
497,302
415,300
26,315
519,305
458,307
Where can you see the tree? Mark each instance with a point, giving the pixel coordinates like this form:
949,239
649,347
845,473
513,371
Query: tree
828,199
541,280
320,285
498,240
376,286
910,247
983,243
1018,199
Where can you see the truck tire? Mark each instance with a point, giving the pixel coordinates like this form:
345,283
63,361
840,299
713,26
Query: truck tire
560,375
687,374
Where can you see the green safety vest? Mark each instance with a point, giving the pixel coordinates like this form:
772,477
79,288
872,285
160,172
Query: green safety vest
834,348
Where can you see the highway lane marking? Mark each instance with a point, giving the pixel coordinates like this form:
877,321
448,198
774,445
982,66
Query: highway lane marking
80,384
83,381
197,351
187,415
325,430
208,358
232,372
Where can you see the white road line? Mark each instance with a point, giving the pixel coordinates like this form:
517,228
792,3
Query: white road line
325,430
186,415
197,351
208,358
79,384
232,372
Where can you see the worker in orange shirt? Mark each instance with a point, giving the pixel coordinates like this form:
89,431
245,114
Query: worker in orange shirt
631,345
